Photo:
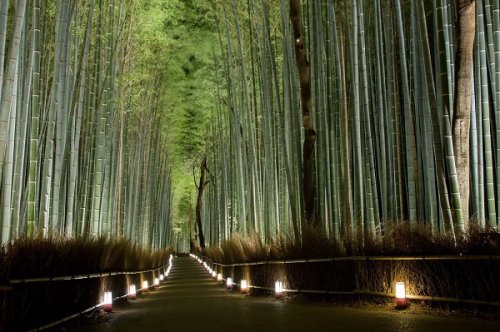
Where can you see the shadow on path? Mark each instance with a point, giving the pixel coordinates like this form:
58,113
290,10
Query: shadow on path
191,301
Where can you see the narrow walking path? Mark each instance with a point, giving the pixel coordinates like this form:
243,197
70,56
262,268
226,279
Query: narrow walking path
191,301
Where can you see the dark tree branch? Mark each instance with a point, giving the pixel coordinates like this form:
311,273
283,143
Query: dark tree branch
199,201
305,94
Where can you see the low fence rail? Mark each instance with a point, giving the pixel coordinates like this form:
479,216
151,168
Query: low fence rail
77,277
80,277
492,258
359,258
10,285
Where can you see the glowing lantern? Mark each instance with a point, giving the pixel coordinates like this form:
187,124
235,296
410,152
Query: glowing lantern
214,274
229,283
162,277
108,302
278,289
132,293
219,277
401,301
243,286
145,285
157,282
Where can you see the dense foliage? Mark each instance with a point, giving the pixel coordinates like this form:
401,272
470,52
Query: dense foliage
396,89
109,108
82,137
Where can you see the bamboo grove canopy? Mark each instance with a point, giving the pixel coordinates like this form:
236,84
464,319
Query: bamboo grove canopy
82,150
390,108
404,118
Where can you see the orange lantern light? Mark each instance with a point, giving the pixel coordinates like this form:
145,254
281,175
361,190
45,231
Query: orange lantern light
229,283
401,300
132,292
278,289
108,302
243,286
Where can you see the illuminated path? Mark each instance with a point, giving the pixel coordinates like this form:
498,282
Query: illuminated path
191,301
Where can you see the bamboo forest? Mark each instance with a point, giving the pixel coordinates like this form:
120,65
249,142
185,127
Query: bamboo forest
165,122
337,151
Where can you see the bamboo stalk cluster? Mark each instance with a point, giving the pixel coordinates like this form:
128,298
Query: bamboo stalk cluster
388,101
81,145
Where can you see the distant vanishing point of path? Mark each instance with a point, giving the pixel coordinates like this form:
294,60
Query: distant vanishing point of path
191,301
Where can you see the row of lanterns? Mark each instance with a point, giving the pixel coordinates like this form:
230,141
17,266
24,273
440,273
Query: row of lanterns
107,304
400,296
244,286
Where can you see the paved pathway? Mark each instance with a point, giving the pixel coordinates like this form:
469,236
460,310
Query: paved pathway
191,301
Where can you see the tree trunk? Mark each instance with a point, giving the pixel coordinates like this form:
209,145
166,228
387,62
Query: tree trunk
199,201
305,94
192,241
466,29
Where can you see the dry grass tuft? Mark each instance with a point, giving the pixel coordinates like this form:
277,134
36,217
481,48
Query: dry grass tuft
52,256
401,239
442,278
480,241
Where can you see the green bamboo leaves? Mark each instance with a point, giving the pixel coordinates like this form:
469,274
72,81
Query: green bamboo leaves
394,86
397,103
76,160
